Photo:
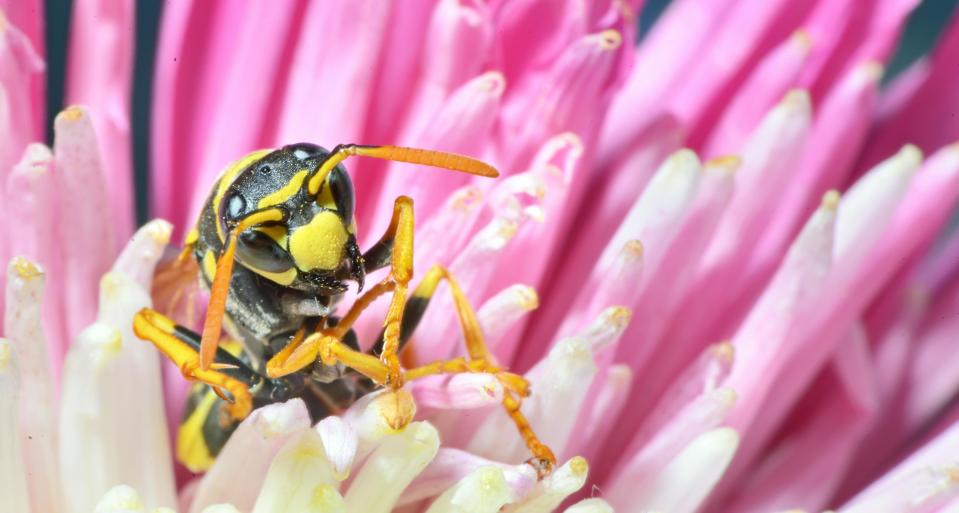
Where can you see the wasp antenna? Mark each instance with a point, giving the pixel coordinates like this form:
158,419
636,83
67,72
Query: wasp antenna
451,161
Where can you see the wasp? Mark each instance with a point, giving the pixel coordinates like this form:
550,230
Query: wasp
276,246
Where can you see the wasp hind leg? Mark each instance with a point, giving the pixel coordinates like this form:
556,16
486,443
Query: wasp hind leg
385,370
480,359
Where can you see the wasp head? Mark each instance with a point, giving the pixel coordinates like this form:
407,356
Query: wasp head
313,246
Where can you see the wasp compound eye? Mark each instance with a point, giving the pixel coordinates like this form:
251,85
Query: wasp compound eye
258,250
235,206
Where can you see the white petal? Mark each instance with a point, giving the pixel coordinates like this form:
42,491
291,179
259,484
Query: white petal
221,508
112,422
242,465
391,467
681,486
38,419
483,491
13,478
141,254
590,506
120,499
339,442
553,489
868,205
300,479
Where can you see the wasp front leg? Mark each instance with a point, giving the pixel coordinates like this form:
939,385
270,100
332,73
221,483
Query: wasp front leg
163,333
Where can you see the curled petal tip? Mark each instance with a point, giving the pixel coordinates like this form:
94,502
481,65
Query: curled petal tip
802,38
72,113
798,99
727,163
610,39
724,351
633,249
830,200
493,82
25,269
871,70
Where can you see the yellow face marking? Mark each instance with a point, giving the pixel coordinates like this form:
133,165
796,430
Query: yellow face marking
284,278
319,245
277,233
209,265
227,178
325,198
285,192
191,448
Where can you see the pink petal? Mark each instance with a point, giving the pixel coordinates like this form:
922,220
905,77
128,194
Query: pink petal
84,227
100,76
32,200
451,465
767,84
37,418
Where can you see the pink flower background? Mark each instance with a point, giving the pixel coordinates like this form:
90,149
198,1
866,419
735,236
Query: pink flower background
793,294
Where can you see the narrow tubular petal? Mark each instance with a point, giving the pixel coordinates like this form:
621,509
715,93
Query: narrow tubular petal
919,116
590,506
84,226
450,466
652,220
458,42
459,392
562,383
221,508
570,98
111,416
32,228
101,77
120,499
38,421
610,397
915,492
815,448
750,27
500,312
241,467
340,443
300,479
13,475
483,491
391,467
461,124
682,485
668,55
337,44
834,141
702,415
870,202
140,256
552,490
773,77
670,279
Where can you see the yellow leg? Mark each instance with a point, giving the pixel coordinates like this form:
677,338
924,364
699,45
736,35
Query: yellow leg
154,327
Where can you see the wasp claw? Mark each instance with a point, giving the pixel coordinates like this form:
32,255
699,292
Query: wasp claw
222,395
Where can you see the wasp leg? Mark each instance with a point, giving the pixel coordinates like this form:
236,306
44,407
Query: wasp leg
160,330
480,360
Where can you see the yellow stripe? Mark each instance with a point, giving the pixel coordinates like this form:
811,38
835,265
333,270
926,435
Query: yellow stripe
226,180
191,448
209,265
285,192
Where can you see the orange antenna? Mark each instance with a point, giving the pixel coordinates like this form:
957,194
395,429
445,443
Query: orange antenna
451,161
219,289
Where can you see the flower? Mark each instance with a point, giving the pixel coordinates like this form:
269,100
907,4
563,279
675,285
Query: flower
721,328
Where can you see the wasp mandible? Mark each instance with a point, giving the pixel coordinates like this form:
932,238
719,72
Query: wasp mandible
276,246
